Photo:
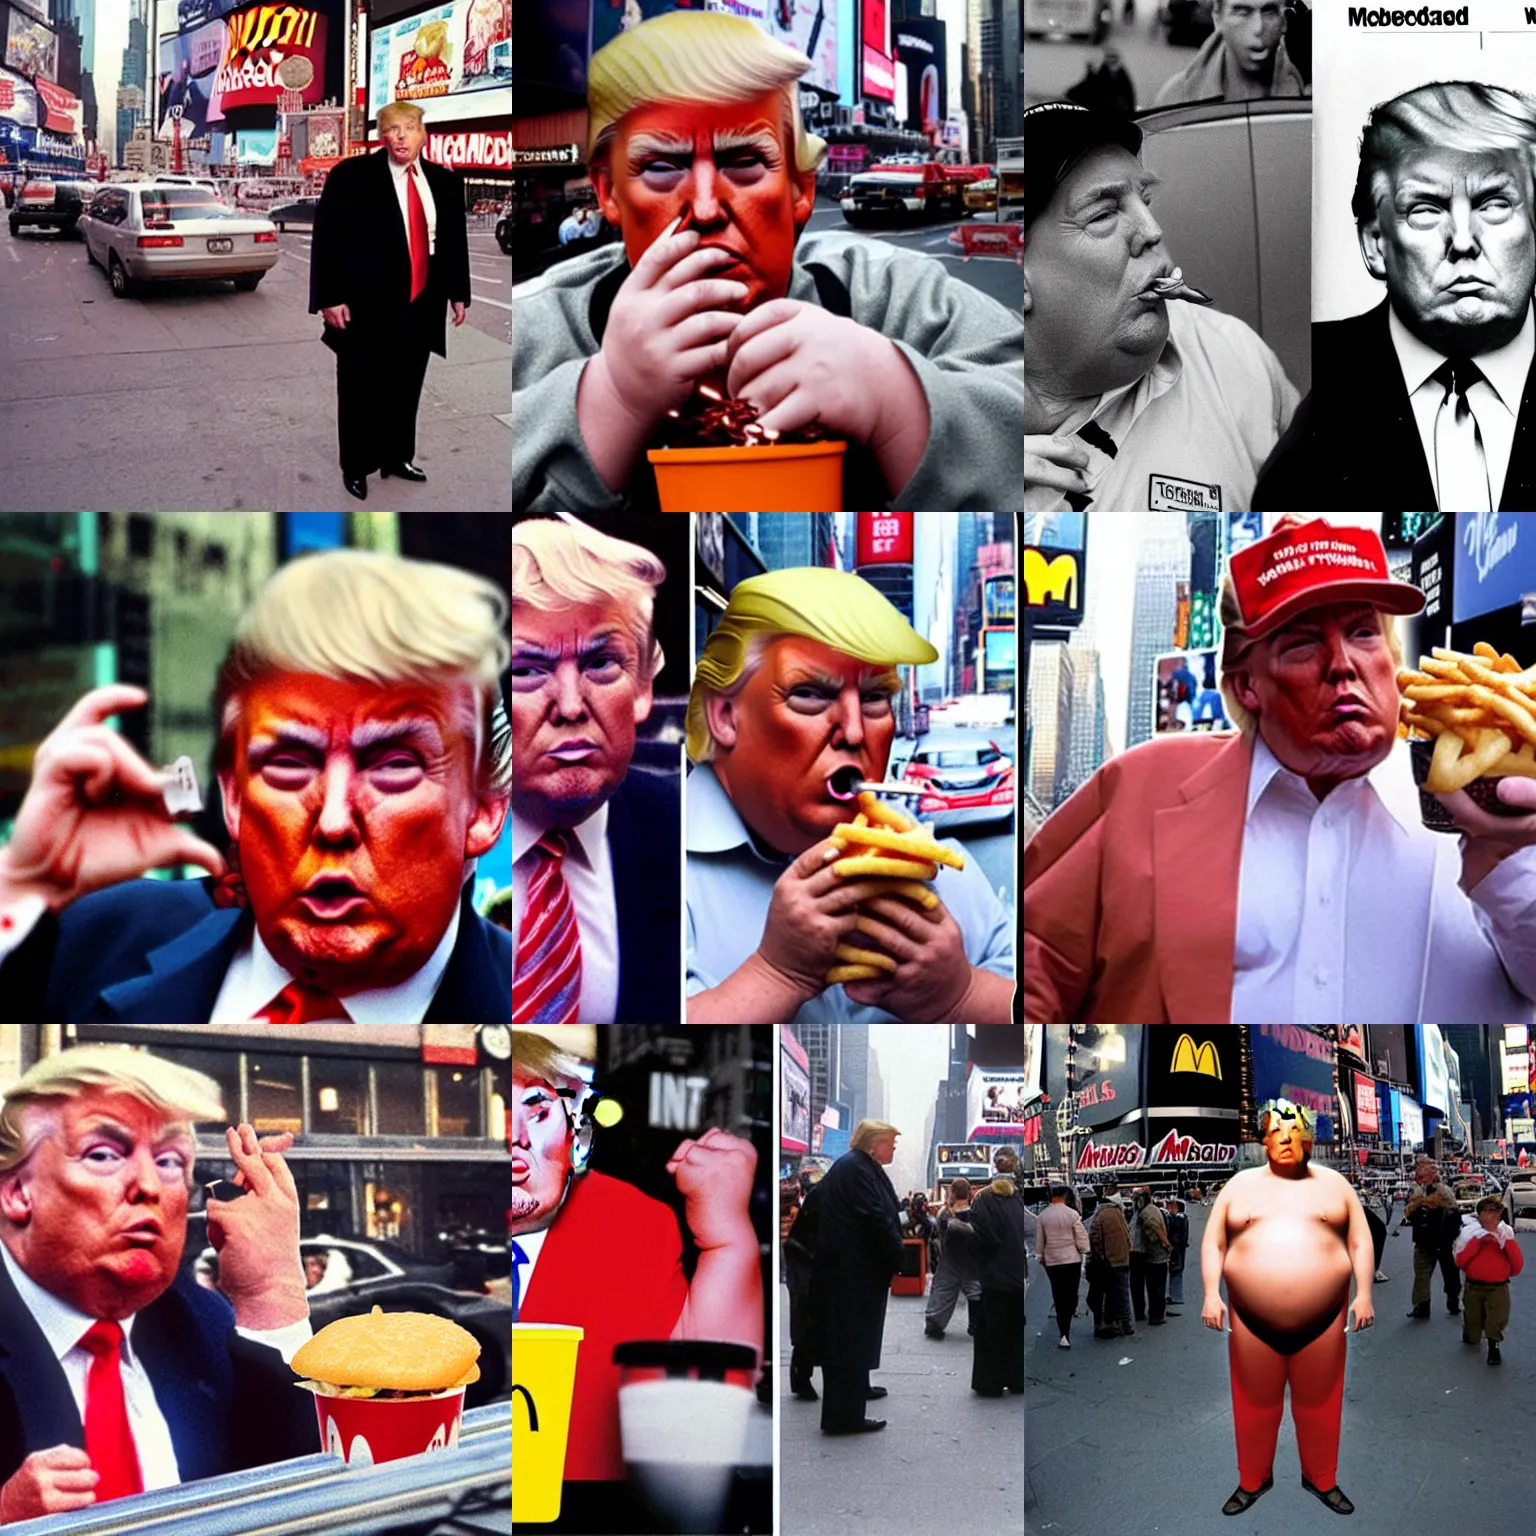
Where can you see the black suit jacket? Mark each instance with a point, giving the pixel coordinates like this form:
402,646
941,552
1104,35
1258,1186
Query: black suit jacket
1353,445
155,952
361,256
645,846
230,1402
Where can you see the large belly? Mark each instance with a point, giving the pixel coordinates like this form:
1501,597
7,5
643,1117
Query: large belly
1287,1272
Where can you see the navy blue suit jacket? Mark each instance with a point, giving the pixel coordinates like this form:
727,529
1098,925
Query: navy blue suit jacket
155,952
230,1402
644,843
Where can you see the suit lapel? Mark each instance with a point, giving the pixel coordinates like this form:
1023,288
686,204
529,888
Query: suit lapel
477,985
1393,451
166,1336
1520,479
31,1373
184,976
1194,918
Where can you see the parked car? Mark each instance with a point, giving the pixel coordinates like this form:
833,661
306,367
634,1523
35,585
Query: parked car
152,231
1520,1196
1088,19
179,179
300,212
965,777
1468,1193
889,190
981,196
504,230
47,203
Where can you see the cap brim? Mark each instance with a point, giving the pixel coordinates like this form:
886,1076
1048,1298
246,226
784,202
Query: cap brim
1393,596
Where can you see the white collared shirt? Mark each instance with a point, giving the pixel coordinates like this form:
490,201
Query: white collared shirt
254,978
1494,399
588,872
429,207
63,1326
1349,911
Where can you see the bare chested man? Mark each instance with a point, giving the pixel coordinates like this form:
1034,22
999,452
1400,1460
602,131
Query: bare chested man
1285,1238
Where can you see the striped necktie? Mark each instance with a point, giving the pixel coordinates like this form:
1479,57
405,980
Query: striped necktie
546,983
518,1257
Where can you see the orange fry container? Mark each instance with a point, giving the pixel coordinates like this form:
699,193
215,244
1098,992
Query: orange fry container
777,477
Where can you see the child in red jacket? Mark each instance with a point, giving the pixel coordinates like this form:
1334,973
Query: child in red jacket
1489,1254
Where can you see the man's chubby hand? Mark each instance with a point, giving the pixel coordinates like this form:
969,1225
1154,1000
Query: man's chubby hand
49,1483
932,971
714,1176
1490,839
257,1237
1055,463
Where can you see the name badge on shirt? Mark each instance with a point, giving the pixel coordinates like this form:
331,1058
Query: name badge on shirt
1165,494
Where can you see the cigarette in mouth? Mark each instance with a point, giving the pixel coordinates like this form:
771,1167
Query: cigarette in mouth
1173,286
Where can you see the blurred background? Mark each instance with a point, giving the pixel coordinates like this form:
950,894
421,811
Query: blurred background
154,598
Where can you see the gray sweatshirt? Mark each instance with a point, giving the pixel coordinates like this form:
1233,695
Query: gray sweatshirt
967,350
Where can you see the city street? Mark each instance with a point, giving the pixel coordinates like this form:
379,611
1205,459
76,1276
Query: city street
1052,67
201,397
1134,1435
990,843
948,1460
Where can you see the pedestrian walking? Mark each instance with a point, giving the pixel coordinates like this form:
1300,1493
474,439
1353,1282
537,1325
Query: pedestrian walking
804,1323
1150,1239
1109,1271
956,1272
1063,1241
1489,1256
1436,1223
1178,1235
997,1219
858,1250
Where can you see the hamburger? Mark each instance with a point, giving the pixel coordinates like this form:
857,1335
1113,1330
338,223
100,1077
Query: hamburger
388,1356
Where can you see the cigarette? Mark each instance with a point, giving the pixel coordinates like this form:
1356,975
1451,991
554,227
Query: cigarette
179,790
1173,286
877,787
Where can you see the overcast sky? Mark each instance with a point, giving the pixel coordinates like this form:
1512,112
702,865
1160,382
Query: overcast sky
913,1060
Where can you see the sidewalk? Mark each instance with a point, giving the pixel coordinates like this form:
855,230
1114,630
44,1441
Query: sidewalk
1135,1435
948,1460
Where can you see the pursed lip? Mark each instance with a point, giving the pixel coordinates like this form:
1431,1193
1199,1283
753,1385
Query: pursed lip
1468,285
148,1230
1348,703
520,1170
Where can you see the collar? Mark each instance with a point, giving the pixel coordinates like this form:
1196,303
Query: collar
61,1324
714,823
531,1243
1128,401
1391,780
588,835
1506,369
398,171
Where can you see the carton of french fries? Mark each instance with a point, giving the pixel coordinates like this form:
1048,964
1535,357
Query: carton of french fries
1473,720
887,844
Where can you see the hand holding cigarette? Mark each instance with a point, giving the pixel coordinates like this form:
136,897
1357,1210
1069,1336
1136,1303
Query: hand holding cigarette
257,1237
96,813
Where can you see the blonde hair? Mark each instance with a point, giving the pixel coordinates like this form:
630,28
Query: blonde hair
702,746
559,563
694,56
543,1059
175,1091
359,616
867,1130
401,109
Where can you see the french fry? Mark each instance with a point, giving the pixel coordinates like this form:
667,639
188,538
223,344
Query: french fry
855,956
1518,714
1507,663
915,890
1511,766
1483,649
1428,724
1424,692
882,815
852,973
861,820
1442,765
873,864
898,842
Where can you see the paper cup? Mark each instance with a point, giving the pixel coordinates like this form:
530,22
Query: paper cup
1484,792
777,477
363,1430
543,1381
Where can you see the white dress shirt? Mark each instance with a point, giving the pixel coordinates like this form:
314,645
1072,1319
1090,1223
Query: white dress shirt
1494,399
429,207
64,1326
1349,911
588,872
254,978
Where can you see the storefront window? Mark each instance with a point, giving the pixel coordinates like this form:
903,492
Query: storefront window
276,1104
458,1101
224,1068
338,1096
402,1099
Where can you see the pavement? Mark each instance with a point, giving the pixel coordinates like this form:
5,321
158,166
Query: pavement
199,397
1135,1435
947,1460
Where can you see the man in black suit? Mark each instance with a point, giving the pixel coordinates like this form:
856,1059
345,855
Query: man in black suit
117,1377
390,251
595,840
1426,400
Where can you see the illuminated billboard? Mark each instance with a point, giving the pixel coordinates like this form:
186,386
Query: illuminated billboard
269,49
445,59
879,68
31,48
1055,565
189,66
809,27
994,1102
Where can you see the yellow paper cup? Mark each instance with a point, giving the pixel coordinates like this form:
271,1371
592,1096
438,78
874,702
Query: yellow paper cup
543,1380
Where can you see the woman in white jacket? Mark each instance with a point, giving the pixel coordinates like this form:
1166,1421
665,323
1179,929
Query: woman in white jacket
1060,1244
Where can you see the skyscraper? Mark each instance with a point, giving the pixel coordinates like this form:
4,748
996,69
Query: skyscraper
1052,696
1162,562
130,85
1084,754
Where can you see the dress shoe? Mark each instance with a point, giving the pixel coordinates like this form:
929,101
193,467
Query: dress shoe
933,1333
1241,1498
1453,1309
1106,1333
357,485
1334,1498
1420,1312
1156,1322
1171,1313
1494,1357
807,1395
867,1427
404,470
1127,1333
875,1394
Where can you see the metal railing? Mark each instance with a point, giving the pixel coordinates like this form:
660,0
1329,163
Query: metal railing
462,1490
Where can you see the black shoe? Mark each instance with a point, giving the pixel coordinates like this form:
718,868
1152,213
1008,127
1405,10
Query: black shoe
357,485
933,1333
1127,1333
1453,1309
807,1395
869,1426
1173,1314
1334,1498
1421,1311
1106,1333
1466,1340
1494,1357
1241,1499
1156,1322
875,1394
404,470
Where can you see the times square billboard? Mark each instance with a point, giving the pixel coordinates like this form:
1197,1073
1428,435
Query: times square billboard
453,60
1291,1061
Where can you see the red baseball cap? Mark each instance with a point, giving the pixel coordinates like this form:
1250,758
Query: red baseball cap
1306,564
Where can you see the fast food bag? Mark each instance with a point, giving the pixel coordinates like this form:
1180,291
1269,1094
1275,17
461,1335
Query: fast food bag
543,1381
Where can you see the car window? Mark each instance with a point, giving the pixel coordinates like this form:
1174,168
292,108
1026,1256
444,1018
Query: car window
365,1265
163,205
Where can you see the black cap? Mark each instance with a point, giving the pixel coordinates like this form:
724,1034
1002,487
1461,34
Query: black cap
1057,134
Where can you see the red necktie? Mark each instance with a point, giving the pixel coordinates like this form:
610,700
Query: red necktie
418,227
300,1003
108,1439
546,983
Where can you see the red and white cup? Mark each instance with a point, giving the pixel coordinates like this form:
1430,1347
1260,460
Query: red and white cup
363,1430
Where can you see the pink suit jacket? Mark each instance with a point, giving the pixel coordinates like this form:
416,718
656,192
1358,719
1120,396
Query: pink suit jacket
1130,889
